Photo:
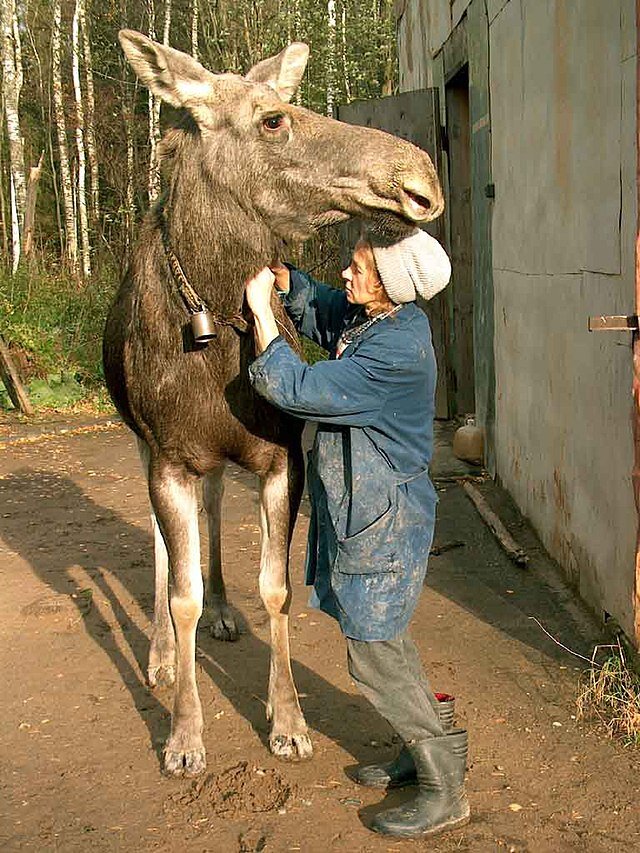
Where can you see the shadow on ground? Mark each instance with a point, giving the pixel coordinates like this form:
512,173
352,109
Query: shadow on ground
478,576
58,530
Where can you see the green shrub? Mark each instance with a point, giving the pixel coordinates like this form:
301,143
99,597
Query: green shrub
53,325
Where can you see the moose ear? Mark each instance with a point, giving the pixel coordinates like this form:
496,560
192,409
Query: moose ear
171,75
282,72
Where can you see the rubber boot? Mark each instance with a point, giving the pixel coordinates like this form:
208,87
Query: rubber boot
441,803
401,771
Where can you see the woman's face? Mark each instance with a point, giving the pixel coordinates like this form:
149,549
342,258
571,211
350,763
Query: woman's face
362,283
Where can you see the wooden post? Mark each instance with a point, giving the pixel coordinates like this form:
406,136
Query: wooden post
14,386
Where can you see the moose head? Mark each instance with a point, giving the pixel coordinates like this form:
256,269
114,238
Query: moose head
283,164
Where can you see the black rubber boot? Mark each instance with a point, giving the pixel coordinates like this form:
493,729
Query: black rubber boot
441,802
402,771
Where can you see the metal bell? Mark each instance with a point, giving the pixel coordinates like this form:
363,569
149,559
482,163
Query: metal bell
203,327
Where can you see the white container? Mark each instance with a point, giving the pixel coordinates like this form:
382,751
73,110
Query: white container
468,443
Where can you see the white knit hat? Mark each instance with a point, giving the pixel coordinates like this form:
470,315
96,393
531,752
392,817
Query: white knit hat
416,264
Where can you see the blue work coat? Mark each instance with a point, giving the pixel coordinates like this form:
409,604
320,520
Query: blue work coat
372,502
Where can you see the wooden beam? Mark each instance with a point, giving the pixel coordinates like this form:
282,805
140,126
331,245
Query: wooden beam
30,207
506,540
12,383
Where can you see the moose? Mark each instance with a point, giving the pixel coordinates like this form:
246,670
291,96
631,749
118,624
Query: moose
246,170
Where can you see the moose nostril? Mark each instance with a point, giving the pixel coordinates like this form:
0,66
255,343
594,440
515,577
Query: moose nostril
419,202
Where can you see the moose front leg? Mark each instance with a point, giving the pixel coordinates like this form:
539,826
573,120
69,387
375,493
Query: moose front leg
279,497
173,496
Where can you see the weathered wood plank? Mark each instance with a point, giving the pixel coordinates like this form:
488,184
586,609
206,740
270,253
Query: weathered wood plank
9,375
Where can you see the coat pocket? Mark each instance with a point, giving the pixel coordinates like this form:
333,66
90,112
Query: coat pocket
371,550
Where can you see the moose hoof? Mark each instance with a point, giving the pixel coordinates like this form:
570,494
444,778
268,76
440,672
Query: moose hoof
162,675
225,630
184,762
223,625
291,747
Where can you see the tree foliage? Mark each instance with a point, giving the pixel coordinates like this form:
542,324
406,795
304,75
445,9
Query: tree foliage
358,54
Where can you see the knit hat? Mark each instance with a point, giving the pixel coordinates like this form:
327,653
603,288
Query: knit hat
415,265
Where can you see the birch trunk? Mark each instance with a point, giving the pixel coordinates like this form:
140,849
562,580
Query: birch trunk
154,121
167,22
345,61
297,30
70,228
90,125
3,202
15,228
127,102
11,85
331,58
195,18
82,164
129,197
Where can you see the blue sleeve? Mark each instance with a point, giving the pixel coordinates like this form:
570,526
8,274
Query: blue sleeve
347,392
317,310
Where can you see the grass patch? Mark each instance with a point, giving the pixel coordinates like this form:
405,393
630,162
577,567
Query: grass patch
611,695
53,325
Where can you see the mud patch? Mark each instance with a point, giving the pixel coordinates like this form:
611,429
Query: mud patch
232,793
58,606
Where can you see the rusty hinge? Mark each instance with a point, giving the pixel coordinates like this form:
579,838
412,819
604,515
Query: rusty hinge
614,323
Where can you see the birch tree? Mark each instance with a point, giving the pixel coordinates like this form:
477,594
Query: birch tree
195,19
89,123
11,86
154,120
345,62
70,228
80,149
331,57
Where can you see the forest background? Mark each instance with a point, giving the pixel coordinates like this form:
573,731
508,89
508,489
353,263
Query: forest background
78,162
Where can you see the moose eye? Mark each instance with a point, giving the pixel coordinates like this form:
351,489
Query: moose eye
273,122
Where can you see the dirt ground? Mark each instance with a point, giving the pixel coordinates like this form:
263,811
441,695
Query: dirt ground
81,734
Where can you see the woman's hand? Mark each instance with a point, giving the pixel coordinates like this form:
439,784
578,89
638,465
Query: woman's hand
259,291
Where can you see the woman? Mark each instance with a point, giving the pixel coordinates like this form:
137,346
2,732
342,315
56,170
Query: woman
372,502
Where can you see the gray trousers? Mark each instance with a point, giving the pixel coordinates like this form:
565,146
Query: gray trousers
389,674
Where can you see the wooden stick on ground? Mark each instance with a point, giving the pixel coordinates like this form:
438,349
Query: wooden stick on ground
498,529
11,380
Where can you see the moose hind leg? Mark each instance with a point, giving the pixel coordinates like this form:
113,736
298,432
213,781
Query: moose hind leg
289,738
221,620
173,496
162,650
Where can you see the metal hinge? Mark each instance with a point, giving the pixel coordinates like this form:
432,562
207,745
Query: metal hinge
614,323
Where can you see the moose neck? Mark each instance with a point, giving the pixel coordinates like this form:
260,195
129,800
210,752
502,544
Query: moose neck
219,244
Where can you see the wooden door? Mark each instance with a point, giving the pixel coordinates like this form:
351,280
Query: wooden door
460,241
